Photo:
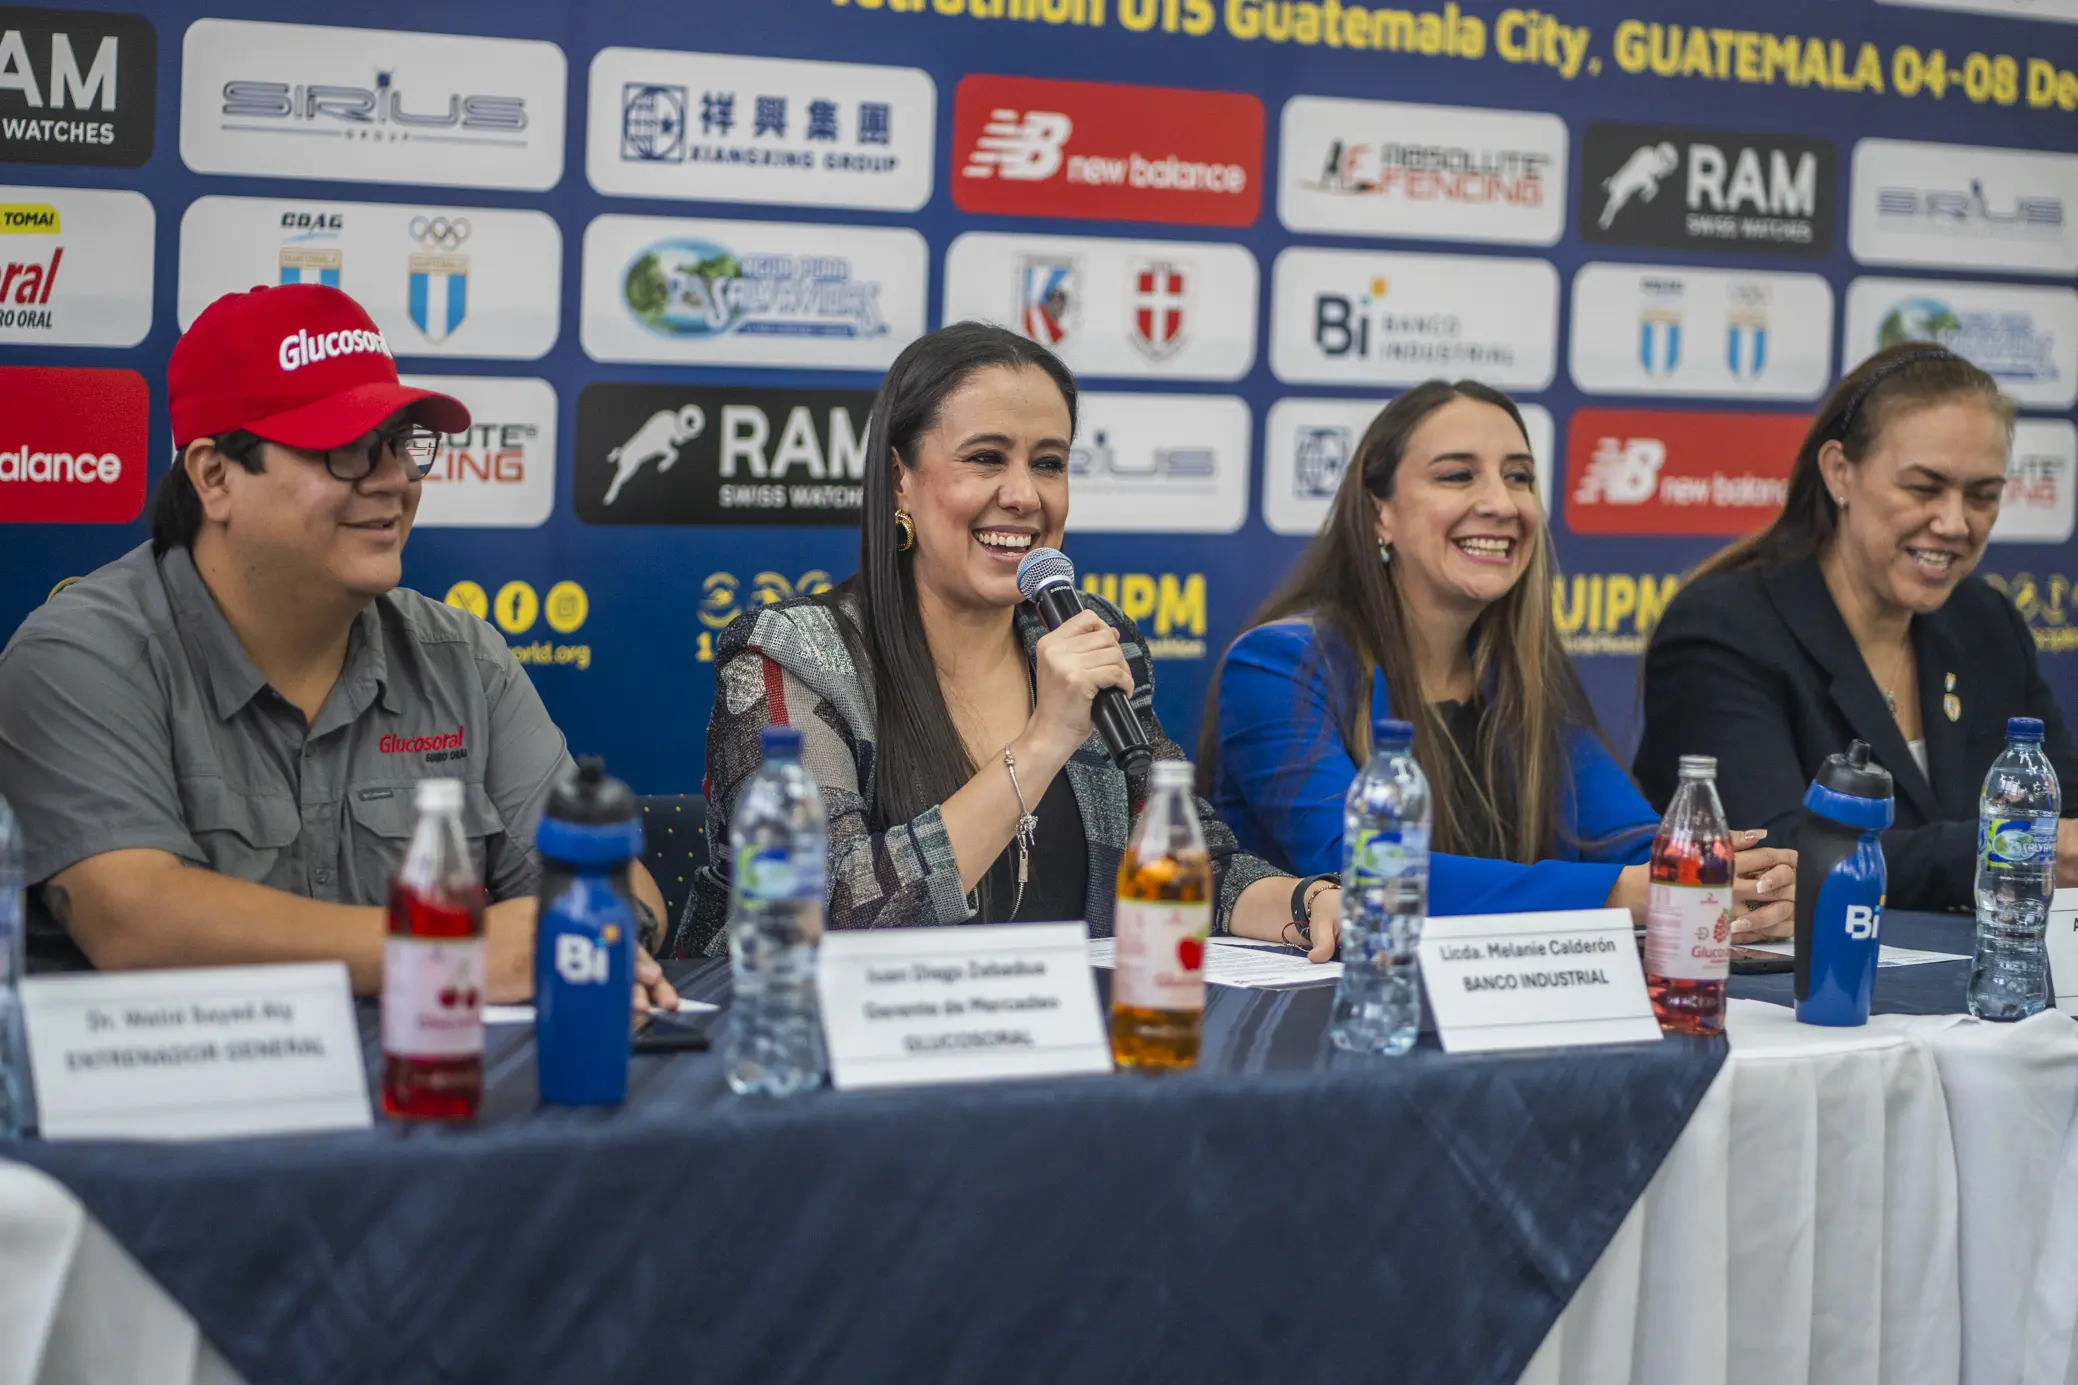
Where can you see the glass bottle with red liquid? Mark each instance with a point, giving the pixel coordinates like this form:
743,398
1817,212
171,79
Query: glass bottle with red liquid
433,968
1688,911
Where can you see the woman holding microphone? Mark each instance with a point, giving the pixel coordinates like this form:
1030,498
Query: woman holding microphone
1428,592
935,707
1854,615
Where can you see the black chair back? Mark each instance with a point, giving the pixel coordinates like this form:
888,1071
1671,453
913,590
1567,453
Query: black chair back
674,838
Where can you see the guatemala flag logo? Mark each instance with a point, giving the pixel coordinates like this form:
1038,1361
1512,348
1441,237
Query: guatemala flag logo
439,277
1659,342
1746,347
304,264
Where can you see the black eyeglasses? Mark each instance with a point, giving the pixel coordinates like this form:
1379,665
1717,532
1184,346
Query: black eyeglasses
418,448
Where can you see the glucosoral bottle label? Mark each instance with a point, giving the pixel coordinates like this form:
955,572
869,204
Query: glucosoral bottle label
2007,843
432,997
1161,954
1688,931
773,874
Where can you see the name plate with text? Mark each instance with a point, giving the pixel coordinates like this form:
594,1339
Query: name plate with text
1549,980
2062,941
195,1054
960,1004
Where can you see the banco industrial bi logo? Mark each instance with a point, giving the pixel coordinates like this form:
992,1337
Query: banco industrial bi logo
76,87
1718,189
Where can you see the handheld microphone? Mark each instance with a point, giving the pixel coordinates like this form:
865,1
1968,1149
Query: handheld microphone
1047,579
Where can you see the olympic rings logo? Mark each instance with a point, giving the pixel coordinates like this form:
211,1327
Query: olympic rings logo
439,232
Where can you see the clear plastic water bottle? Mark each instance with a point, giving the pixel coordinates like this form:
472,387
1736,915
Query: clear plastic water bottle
2016,872
1385,897
14,1052
778,843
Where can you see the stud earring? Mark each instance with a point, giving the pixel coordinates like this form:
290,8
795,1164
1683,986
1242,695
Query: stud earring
1385,554
906,527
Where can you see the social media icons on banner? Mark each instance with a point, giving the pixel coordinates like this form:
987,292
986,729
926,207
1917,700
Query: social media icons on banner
1388,168
371,105
1672,473
75,267
1364,317
1036,146
1688,189
2024,337
2040,470
1674,329
722,127
72,445
1959,206
501,473
1159,464
1309,444
439,280
751,292
699,454
1180,310
77,87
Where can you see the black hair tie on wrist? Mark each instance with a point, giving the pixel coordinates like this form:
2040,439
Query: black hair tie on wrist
1300,919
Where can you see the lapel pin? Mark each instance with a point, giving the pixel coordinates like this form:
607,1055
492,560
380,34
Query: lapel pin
1952,705
1950,684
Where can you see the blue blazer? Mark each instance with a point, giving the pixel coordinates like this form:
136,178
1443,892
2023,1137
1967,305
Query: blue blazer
1284,771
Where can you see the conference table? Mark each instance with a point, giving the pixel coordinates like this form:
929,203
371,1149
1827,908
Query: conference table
1897,1202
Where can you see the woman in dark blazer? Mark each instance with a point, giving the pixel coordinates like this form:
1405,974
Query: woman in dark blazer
1854,615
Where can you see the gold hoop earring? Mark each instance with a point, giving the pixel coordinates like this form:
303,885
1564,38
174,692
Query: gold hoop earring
906,528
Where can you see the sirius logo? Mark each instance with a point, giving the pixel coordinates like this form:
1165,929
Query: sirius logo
360,112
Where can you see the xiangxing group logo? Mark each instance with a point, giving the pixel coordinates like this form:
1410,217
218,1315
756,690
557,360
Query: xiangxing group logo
1159,463
1033,146
676,454
1667,329
76,87
439,281
75,267
1656,472
1958,206
720,127
1181,310
1685,189
750,293
2025,338
1385,168
1363,317
371,105
501,474
72,445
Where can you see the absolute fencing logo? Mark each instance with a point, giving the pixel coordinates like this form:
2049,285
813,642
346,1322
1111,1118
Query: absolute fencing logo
1959,206
1680,188
2040,470
1665,473
1031,146
1387,168
673,454
75,267
1668,329
72,445
1181,310
501,473
77,87
722,127
2026,338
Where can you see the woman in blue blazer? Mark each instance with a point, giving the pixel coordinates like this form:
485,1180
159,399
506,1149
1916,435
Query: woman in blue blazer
1427,594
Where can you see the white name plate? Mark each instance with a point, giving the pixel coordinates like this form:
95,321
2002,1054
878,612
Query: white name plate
961,1004
2062,940
1552,980
195,1054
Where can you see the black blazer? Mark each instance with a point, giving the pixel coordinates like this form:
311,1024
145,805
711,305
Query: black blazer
1761,672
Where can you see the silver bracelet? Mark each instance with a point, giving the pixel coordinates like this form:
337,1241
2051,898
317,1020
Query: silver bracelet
1027,834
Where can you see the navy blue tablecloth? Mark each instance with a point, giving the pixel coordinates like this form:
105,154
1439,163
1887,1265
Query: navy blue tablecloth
1285,1212
1935,988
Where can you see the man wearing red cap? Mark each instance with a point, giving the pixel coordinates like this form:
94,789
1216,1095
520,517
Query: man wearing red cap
212,742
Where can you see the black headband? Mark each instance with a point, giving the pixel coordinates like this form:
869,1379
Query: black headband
1910,358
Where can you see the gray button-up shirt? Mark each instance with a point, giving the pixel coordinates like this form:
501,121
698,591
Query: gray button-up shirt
131,716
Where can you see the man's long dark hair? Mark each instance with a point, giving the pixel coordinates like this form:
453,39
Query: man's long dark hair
920,760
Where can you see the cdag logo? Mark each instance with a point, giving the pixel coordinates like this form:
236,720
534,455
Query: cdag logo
666,454
1029,146
1668,473
72,445
1714,189
76,87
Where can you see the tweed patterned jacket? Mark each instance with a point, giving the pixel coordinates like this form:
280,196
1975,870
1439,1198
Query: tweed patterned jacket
787,664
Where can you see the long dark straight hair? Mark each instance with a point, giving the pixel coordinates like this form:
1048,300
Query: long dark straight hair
919,758
1519,769
1896,379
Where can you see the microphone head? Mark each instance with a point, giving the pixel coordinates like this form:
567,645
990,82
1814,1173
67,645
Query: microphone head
1041,568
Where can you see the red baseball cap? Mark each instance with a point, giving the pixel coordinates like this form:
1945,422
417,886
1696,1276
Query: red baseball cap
298,364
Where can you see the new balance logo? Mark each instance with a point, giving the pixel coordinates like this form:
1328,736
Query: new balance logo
1023,149
1622,472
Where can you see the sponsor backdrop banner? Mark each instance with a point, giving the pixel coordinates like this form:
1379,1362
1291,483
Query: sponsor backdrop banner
664,264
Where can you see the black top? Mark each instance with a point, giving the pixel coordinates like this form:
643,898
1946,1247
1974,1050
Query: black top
1761,672
1481,834
1056,885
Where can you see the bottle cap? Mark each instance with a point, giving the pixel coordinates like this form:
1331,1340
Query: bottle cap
438,796
2023,728
1171,774
591,819
1699,767
1388,734
782,741
1852,791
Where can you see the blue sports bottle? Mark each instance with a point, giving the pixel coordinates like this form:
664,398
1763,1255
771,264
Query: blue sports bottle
585,938
1840,887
